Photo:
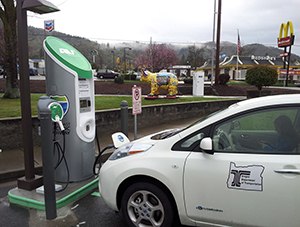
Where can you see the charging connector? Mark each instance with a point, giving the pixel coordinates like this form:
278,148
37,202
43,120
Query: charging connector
62,128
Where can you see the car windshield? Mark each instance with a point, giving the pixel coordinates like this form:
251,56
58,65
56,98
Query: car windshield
171,132
204,118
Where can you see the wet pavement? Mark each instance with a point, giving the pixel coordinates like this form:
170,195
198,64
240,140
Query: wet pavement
87,210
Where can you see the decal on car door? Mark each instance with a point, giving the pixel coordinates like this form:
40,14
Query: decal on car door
245,177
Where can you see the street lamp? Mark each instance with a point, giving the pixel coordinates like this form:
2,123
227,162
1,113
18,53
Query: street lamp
113,59
125,56
39,6
30,181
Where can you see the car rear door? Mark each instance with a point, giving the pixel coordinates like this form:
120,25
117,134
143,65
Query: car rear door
241,186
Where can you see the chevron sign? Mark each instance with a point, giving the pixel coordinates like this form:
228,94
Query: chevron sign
49,25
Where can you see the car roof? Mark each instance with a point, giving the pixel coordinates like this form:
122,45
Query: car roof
246,105
267,101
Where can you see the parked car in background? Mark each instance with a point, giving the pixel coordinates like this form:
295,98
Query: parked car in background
33,72
236,167
297,83
132,73
138,76
107,73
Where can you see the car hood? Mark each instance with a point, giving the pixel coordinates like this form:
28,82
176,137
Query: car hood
158,136
165,134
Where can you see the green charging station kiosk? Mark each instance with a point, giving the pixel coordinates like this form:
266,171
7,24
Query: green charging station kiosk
69,81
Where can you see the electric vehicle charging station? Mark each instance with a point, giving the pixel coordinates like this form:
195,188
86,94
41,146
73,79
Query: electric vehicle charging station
70,82
198,84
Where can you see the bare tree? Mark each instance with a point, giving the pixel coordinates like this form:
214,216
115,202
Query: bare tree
195,56
9,18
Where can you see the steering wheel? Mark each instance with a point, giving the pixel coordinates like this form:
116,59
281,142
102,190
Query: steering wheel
225,142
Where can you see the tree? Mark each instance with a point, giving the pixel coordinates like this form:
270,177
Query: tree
163,57
261,75
183,60
195,56
8,16
2,47
129,67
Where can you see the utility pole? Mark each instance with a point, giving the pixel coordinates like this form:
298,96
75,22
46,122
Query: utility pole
218,44
151,54
213,44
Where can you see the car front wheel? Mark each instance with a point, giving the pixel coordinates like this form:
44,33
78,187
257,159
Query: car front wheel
144,204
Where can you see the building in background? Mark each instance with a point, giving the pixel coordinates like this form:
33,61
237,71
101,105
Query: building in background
229,66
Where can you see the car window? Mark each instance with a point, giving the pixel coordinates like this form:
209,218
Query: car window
192,141
274,130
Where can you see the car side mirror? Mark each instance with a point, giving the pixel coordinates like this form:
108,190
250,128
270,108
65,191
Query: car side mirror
206,145
236,125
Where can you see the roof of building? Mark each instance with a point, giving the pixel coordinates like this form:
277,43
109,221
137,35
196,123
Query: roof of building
248,61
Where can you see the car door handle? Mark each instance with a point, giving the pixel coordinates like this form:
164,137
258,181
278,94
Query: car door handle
245,136
292,171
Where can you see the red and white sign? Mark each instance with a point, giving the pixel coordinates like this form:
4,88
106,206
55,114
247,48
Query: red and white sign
291,72
286,41
136,100
284,54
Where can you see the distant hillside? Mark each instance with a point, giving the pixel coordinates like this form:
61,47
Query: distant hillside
105,57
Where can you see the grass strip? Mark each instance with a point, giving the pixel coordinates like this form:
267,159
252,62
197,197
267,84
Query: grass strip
12,107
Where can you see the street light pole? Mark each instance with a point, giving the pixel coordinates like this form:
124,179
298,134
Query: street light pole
113,59
30,181
218,44
125,56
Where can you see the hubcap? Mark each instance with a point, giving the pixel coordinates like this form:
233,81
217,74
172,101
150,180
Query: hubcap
145,209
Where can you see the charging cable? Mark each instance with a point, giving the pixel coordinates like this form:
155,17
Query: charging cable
57,115
60,153
98,159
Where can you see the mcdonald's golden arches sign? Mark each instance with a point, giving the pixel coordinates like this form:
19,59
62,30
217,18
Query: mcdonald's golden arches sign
285,40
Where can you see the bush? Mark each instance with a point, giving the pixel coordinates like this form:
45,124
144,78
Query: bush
223,78
261,75
129,76
95,66
119,80
188,80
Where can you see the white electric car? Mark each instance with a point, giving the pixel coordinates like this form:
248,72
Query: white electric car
237,167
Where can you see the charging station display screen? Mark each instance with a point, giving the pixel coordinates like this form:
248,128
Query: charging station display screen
85,105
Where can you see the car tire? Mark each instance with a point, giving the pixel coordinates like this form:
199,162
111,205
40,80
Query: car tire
144,204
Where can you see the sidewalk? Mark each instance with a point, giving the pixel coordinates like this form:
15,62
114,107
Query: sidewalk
12,161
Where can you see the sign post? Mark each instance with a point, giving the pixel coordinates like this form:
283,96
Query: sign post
285,41
136,106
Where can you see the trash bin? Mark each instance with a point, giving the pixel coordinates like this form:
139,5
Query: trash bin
198,84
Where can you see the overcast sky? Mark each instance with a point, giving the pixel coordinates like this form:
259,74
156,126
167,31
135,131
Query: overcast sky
169,21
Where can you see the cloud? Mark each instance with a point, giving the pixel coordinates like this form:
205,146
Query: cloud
173,21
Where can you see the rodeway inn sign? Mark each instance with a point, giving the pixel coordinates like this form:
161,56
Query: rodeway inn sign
267,58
